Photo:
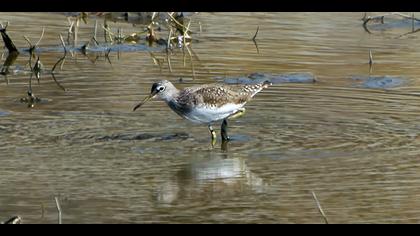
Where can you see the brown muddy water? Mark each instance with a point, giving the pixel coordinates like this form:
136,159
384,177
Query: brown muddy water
353,142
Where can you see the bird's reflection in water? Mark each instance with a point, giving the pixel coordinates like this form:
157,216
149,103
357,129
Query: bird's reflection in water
210,178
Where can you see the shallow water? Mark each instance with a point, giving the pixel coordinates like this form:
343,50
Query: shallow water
355,145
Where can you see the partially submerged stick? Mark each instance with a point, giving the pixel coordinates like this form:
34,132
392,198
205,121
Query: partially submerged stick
255,36
255,41
64,56
319,207
58,62
7,41
58,209
370,57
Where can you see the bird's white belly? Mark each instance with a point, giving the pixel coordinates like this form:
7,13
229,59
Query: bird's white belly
205,114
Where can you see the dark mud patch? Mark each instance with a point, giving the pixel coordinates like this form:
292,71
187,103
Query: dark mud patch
254,78
378,82
393,23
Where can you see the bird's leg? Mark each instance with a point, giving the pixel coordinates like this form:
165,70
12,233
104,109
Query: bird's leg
213,135
237,114
224,127
223,130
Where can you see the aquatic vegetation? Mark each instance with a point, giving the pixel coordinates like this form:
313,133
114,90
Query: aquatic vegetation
179,37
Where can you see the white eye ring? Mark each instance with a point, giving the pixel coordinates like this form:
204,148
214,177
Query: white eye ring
161,88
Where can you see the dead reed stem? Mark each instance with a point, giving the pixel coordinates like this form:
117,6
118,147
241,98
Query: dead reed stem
57,203
319,207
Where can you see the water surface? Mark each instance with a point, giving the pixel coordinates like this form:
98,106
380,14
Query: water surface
355,145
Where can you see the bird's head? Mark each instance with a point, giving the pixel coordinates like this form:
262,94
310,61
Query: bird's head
162,89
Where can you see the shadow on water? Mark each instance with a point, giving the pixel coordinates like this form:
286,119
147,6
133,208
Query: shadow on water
145,136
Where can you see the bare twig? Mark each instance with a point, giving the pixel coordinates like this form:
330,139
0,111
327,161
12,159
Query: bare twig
319,207
40,38
58,209
186,33
107,32
364,16
411,32
70,31
177,22
31,51
27,40
62,58
168,46
156,61
76,31
405,16
255,36
153,16
95,32
107,56
255,41
57,83
192,63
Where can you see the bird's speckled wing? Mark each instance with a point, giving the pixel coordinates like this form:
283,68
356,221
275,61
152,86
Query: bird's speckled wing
216,95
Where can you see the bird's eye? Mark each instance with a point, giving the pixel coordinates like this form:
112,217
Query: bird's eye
161,88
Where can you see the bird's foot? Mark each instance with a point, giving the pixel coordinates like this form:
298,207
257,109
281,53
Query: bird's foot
213,136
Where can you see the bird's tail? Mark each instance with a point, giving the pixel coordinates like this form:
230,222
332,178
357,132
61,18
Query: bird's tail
266,83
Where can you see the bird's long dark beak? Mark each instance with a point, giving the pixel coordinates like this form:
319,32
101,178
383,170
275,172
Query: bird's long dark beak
152,95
